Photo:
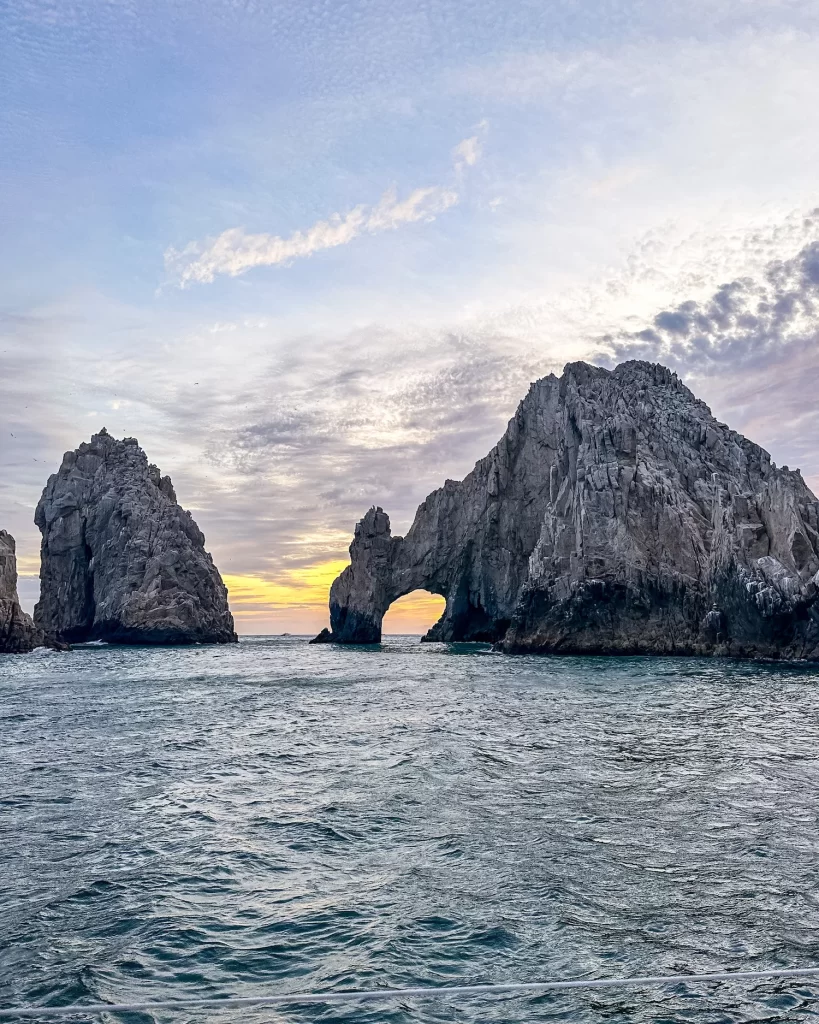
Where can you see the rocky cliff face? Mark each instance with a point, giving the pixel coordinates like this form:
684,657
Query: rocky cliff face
615,515
121,560
18,633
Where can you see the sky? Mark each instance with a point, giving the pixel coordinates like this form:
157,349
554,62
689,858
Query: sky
311,254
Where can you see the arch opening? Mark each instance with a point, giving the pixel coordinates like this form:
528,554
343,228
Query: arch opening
413,614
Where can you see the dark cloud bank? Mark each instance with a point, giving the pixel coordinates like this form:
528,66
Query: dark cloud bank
752,351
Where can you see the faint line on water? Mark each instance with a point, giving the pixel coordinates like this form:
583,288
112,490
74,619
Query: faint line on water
423,992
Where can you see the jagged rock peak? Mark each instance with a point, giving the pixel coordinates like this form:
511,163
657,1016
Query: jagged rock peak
121,560
615,515
18,634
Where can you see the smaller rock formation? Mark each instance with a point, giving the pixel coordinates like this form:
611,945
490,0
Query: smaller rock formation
18,633
121,560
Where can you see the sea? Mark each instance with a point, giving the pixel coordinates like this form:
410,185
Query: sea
274,817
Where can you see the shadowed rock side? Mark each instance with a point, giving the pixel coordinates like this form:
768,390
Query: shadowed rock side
121,560
18,633
615,516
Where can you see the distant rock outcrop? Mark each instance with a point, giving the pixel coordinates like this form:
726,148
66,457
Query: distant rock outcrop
121,560
18,633
615,516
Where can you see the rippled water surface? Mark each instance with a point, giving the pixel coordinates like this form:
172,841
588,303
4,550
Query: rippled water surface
279,816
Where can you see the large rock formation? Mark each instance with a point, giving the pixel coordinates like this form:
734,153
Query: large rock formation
121,561
18,633
615,515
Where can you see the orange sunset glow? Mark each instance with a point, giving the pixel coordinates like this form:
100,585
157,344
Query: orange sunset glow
295,601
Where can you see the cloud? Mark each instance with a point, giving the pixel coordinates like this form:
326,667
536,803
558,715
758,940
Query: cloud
234,251
751,349
745,323
467,153
291,462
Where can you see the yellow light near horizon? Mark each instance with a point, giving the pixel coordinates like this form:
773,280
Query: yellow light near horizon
307,587
302,595
28,565
414,613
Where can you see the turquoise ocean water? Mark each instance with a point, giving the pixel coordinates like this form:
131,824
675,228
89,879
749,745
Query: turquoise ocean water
275,816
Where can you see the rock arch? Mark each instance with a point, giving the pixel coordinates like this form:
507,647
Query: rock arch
384,568
615,515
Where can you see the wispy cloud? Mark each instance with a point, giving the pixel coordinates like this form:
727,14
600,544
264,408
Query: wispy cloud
468,151
234,251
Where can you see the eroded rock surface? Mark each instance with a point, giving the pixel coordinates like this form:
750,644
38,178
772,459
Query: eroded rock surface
615,516
121,560
18,633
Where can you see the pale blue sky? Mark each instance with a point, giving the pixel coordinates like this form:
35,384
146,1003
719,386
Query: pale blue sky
311,254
